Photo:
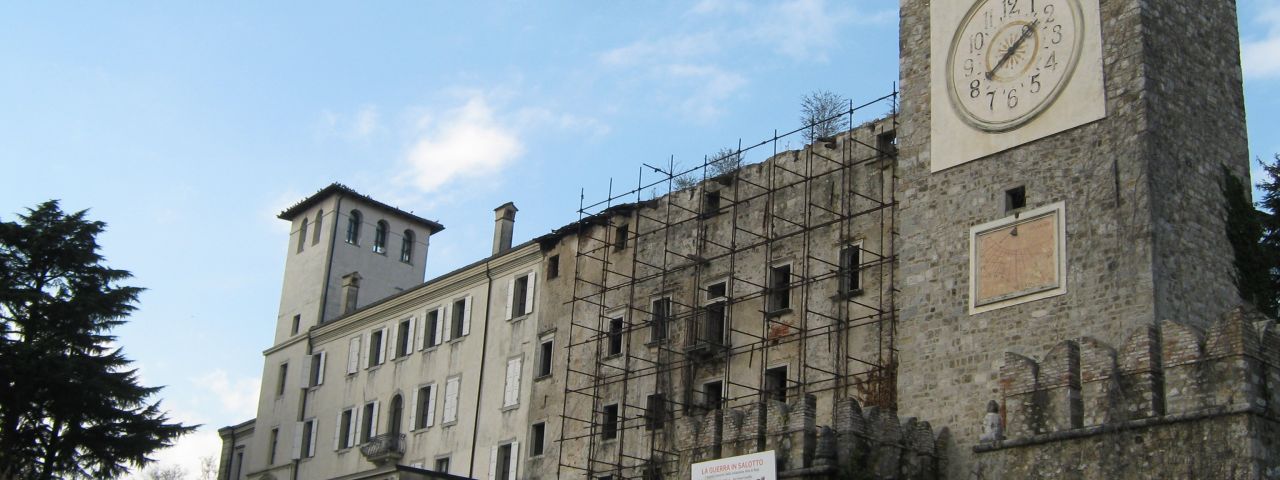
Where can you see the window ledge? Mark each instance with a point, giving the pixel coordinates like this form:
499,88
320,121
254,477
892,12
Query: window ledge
455,341
847,295
658,342
541,377
612,356
777,313
509,408
520,317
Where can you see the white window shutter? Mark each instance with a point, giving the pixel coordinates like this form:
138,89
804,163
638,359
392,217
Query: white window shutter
413,335
364,352
451,400
528,296
353,355
413,410
511,395
466,315
431,405
354,432
337,432
373,422
511,292
315,429
391,340
515,455
439,328
446,318
493,462
320,374
382,352
297,440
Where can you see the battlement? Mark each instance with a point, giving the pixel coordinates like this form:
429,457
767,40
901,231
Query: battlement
856,440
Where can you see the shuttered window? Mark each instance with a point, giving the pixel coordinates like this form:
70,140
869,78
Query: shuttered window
451,400
511,394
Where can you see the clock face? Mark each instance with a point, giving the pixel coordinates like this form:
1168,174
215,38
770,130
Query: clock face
1010,59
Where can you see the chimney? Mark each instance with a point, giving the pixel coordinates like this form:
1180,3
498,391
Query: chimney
504,221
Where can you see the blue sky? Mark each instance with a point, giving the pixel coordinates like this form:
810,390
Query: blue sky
188,127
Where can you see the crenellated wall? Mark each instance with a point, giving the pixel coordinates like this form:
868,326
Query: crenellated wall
857,443
1172,401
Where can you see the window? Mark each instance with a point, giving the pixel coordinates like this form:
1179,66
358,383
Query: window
537,439
396,419
553,267
775,384
713,330
851,269
716,290
317,369
271,448
353,227
711,203
404,338
712,395
545,351
350,292
620,237
283,375
520,296
315,237
297,323
1015,198
345,430
406,247
442,464
302,235
376,349
660,315
655,412
369,421
451,400
615,336
503,464
779,288
511,389
461,315
307,443
380,237
353,355
432,333
609,427
424,407
887,144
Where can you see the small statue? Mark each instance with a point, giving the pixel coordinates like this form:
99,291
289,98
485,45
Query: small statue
992,426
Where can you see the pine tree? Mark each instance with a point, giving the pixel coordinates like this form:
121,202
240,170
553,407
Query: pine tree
70,406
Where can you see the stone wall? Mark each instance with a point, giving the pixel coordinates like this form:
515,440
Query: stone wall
1169,402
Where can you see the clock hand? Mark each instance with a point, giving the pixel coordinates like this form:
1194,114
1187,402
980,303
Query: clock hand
1026,33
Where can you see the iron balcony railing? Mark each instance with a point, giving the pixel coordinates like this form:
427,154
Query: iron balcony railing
384,448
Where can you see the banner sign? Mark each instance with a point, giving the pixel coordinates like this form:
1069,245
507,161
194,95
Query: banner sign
756,466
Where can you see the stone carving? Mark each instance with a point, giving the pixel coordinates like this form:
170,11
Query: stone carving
992,426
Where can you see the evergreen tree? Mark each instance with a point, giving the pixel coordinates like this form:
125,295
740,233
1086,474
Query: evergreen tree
1269,243
70,406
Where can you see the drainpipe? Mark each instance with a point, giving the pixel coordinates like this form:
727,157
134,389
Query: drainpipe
484,349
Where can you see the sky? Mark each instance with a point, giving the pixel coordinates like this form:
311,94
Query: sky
188,127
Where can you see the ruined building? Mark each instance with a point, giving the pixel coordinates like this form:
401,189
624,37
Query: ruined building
1016,266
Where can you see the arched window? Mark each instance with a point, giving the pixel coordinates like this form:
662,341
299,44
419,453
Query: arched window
315,237
406,247
397,414
353,227
302,235
380,238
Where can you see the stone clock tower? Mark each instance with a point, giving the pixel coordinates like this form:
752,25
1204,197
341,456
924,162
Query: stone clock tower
1061,171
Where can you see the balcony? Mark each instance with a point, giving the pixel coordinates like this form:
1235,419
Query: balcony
384,449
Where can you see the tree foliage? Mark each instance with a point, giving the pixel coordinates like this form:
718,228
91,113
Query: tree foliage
70,406
1254,234
823,112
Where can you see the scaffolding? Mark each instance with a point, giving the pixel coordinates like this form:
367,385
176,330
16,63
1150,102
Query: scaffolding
735,269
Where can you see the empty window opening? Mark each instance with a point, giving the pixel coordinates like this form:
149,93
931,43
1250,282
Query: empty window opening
424,414
615,336
433,325
380,237
851,269
887,144
442,465
553,266
406,247
375,348
346,435
545,351
712,395
368,422
353,227
520,296
350,292
609,425
459,318
308,439
620,237
711,203
302,235
537,439
660,317
315,237
404,334
317,369
504,465
297,323
775,384
716,290
1015,198
396,419
271,448
281,378
779,288
655,412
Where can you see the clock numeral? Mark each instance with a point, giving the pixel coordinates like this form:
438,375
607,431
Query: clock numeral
1048,10
1013,98
1057,31
1051,63
989,19
1035,83
1010,7
977,42
974,89
992,96
968,67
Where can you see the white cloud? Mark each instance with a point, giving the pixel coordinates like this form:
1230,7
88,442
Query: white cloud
1261,56
713,85
674,47
466,142
238,397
